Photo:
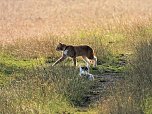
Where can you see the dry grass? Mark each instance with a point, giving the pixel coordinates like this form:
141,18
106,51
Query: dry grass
134,94
32,28
35,18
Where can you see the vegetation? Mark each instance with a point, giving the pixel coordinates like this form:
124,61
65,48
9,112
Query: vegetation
133,95
120,32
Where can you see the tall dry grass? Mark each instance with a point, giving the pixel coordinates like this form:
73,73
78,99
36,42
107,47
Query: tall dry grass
133,94
28,18
32,26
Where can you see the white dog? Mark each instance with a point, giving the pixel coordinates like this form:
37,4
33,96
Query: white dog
84,72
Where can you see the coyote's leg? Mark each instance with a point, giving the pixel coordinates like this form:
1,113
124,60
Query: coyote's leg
60,60
95,61
74,61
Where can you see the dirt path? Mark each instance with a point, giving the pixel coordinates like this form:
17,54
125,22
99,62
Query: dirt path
102,83
100,86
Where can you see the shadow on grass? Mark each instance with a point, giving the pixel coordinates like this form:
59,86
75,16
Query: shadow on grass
8,70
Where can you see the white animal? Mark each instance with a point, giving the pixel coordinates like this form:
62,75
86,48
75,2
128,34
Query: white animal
84,72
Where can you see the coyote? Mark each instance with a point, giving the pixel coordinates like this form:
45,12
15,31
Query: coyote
74,51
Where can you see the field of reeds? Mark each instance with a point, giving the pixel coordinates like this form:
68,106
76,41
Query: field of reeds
29,33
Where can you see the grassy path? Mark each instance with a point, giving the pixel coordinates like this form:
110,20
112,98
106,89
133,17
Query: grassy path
102,83
106,75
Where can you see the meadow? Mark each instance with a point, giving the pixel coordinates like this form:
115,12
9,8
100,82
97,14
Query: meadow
119,31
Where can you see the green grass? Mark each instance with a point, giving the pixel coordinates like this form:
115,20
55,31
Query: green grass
9,60
33,86
32,95
19,71
148,105
111,64
16,71
43,87
11,67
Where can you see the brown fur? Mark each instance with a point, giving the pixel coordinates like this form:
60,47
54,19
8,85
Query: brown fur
75,51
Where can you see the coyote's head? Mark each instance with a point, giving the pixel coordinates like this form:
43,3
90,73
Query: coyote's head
60,47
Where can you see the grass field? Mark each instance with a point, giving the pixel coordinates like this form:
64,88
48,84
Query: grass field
29,33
